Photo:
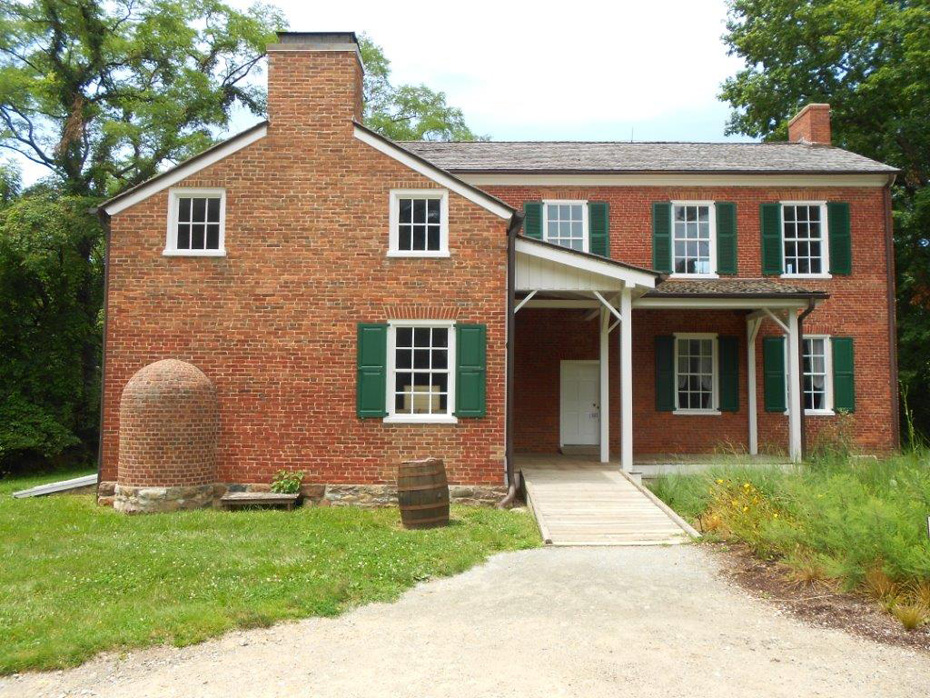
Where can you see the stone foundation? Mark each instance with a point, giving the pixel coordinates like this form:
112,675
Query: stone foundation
133,500
153,500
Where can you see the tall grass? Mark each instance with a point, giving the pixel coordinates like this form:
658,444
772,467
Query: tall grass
846,516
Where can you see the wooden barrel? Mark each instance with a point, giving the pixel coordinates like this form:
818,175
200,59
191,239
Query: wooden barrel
423,493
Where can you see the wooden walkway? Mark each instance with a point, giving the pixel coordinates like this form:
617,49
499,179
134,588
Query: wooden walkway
579,503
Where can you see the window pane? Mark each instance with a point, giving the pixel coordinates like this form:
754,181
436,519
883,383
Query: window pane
440,337
432,238
406,206
213,237
213,210
197,236
421,358
433,211
419,237
403,358
184,209
199,214
419,211
440,358
421,337
404,337
405,242
184,237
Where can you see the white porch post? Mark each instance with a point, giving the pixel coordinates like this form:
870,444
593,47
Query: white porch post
626,379
752,330
794,391
604,400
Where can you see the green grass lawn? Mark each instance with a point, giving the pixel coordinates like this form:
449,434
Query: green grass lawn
76,579
856,524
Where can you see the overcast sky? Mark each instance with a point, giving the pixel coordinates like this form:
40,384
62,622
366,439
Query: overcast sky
578,70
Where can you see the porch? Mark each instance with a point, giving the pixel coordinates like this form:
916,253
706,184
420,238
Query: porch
587,370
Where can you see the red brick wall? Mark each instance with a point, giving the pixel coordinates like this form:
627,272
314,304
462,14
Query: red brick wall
273,323
858,308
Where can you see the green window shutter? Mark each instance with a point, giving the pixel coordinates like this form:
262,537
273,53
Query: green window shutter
471,370
532,220
662,237
371,362
770,222
773,374
665,374
728,361
844,383
840,238
726,238
599,228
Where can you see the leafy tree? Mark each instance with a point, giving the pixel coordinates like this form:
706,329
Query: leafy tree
51,267
105,93
407,112
870,59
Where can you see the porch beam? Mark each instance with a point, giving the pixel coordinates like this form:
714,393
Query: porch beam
794,388
526,300
752,331
626,380
607,305
778,321
604,397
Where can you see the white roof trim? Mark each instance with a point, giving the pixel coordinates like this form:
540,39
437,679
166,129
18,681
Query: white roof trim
585,262
710,179
731,303
185,169
432,172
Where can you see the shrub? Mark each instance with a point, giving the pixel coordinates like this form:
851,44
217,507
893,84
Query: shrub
287,482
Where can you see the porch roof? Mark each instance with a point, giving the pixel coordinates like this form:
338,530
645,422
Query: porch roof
544,266
733,288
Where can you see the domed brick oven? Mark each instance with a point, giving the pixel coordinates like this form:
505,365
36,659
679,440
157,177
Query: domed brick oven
168,430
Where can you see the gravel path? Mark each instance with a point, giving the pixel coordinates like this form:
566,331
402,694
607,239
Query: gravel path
551,622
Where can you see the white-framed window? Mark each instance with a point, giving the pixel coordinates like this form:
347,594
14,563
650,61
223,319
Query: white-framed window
196,223
817,367
804,238
696,380
421,371
694,238
419,220
565,223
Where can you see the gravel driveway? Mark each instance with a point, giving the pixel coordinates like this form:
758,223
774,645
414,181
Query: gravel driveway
551,622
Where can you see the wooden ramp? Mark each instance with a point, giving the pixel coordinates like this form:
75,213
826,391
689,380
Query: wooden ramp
599,505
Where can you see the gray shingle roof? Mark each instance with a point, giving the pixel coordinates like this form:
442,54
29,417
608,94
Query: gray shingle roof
754,288
619,157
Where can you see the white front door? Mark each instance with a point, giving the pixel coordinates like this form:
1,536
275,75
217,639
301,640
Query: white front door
580,403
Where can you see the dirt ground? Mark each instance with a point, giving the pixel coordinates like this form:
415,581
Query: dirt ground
650,621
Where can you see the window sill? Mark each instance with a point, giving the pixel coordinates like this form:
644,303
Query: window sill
697,413
807,276
819,413
694,276
194,253
426,255
420,419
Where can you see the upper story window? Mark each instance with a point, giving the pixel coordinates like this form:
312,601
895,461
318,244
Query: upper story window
696,373
693,238
419,223
196,222
566,223
804,236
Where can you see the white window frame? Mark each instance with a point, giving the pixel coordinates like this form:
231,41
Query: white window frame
715,382
394,222
585,237
712,225
824,243
171,239
392,416
828,411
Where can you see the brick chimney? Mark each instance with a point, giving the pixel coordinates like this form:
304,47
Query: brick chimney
314,84
811,125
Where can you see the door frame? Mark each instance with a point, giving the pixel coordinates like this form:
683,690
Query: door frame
592,362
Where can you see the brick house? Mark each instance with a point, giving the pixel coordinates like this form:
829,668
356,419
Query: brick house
357,302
